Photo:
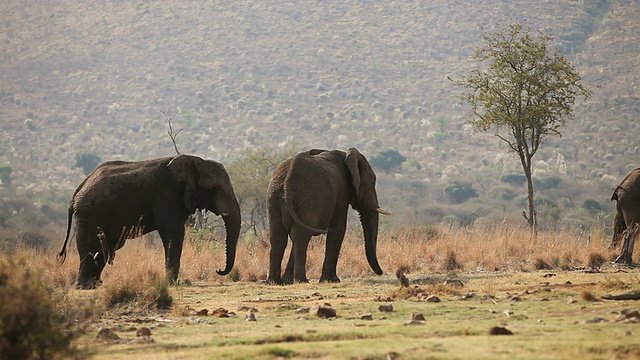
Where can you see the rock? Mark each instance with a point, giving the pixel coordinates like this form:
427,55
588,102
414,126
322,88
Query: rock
246,308
404,281
107,334
221,313
143,331
203,312
508,312
291,306
498,330
366,316
548,275
414,322
417,316
323,311
250,316
571,300
433,299
303,310
516,298
629,316
454,282
596,320
386,308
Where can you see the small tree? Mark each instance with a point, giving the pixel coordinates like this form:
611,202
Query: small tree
250,176
525,88
87,161
5,175
388,160
458,192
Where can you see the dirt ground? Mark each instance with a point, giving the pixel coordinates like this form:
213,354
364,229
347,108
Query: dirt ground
524,315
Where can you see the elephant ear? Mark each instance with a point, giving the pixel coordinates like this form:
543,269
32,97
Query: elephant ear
352,160
185,170
316,151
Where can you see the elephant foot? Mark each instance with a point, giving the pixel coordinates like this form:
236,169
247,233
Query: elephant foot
329,279
623,259
287,280
88,285
272,281
302,280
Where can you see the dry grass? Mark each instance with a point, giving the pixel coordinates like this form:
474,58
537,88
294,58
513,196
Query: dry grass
499,247
134,283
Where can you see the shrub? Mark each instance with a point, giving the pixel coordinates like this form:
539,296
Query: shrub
546,183
458,192
503,192
139,291
87,161
593,206
5,175
513,179
30,326
387,160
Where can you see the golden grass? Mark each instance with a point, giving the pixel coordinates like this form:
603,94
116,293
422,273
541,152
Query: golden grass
426,255
416,250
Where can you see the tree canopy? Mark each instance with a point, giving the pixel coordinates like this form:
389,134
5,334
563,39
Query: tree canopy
250,176
388,160
522,90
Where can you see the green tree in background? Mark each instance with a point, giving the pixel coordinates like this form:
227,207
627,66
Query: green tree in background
387,160
250,176
87,161
522,90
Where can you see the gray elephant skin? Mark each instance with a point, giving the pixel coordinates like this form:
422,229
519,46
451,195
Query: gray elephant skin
308,195
123,200
627,197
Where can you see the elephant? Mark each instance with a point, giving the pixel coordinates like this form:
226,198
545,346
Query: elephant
627,197
123,200
308,195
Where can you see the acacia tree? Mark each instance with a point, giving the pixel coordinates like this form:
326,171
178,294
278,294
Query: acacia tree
250,176
524,91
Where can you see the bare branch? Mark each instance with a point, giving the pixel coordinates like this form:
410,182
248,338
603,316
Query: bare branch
170,132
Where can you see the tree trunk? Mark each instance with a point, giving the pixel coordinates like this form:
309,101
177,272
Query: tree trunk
532,216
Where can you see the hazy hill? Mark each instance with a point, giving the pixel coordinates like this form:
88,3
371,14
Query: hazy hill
79,76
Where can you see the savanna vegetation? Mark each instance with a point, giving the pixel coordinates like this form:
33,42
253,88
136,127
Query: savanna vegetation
249,84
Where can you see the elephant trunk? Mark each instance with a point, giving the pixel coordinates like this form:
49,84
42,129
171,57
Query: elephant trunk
232,227
370,228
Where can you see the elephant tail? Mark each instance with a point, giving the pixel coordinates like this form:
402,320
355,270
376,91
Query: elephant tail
62,256
295,217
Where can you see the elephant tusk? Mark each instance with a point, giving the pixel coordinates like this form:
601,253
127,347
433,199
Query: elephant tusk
224,214
383,212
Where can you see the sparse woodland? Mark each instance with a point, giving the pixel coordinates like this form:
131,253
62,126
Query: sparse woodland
250,83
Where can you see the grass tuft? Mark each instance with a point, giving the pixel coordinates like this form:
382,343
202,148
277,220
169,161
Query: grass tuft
30,325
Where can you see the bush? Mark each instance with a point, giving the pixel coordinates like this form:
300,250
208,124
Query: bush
87,161
387,160
5,175
545,183
458,192
503,192
30,326
513,179
139,291
593,206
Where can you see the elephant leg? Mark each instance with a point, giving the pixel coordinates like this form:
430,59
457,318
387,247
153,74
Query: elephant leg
300,238
172,239
627,246
278,240
92,260
287,277
335,236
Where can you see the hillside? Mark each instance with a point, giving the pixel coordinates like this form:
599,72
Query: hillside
94,77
